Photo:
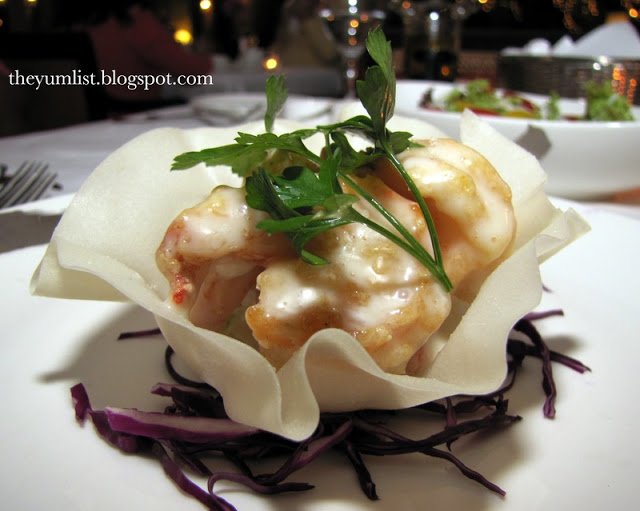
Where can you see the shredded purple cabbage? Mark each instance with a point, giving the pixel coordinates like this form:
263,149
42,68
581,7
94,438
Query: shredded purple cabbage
139,333
194,425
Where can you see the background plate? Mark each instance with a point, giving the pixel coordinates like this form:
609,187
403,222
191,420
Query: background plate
586,458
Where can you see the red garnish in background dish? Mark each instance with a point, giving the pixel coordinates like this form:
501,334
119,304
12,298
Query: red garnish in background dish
194,425
482,111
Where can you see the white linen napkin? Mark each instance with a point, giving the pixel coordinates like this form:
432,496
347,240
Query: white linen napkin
617,40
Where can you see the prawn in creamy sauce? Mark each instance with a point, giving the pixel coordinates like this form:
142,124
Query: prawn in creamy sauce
213,255
468,200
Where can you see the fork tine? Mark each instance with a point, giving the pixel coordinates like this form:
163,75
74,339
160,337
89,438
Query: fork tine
28,188
39,189
27,179
14,181
31,175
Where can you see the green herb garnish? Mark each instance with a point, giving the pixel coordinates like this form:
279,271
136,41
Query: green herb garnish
302,192
604,104
480,96
276,92
552,107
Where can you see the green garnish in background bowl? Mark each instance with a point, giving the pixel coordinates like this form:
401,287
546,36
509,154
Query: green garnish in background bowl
602,103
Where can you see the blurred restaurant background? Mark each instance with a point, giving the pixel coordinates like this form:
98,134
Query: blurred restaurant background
235,40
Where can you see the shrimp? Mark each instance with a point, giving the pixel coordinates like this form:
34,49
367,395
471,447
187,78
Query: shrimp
212,253
371,288
468,200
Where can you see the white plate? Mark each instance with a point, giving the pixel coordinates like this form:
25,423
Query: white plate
586,458
583,159
236,108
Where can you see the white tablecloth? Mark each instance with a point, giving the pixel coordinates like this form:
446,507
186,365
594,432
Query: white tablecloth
73,152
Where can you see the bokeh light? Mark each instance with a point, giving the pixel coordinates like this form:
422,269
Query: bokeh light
183,36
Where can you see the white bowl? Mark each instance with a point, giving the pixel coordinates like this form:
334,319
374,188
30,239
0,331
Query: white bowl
583,159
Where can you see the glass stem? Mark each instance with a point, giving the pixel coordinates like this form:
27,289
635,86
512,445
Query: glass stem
351,76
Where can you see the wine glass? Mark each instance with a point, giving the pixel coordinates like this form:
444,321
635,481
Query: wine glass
349,22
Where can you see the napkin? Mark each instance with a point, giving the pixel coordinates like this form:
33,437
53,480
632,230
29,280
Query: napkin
617,40
248,61
216,108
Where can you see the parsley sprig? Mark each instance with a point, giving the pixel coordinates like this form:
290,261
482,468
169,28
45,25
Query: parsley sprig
307,197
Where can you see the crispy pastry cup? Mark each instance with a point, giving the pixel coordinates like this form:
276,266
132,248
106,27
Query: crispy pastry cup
105,243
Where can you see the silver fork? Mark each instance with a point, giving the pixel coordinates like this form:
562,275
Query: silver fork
30,182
